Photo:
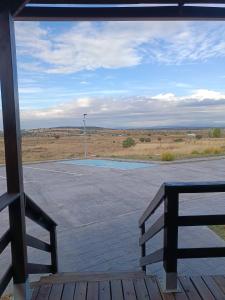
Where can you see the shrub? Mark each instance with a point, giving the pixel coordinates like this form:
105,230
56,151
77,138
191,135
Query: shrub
178,140
167,156
198,136
129,142
195,152
147,140
142,140
216,133
212,150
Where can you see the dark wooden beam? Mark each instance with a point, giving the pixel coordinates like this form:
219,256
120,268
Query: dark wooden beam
17,5
71,2
12,140
121,13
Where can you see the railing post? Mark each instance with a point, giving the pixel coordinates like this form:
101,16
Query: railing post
54,257
13,157
143,246
171,206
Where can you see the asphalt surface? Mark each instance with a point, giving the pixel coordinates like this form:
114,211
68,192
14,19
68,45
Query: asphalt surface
97,212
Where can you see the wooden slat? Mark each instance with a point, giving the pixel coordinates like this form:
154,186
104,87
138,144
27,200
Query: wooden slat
201,220
38,268
153,205
201,252
196,187
128,289
202,288
6,199
141,289
4,241
44,292
35,293
153,230
68,291
214,288
189,288
152,258
56,292
220,280
116,290
5,280
92,291
104,290
153,288
37,244
80,291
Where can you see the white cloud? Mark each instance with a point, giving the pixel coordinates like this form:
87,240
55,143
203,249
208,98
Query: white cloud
88,46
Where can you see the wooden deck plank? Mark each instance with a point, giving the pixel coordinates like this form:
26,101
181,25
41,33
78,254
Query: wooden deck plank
92,291
35,293
189,288
68,291
80,291
104,290
202,288
141,289
44,292
220,280
116,290
214,288
56,292
128,289
153,288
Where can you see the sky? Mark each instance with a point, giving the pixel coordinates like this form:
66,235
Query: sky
122,74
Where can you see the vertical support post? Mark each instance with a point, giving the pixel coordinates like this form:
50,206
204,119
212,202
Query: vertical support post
14,174
170,240
53,242
143,247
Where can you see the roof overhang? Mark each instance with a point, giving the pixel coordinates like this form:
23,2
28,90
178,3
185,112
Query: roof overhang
118,10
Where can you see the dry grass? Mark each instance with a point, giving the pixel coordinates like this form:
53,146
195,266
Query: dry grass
68,143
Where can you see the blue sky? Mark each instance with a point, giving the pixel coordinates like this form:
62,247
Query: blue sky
123,74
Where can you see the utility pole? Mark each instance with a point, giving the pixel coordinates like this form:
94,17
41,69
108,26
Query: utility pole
85,137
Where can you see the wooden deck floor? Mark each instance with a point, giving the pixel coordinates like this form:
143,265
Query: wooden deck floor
132,287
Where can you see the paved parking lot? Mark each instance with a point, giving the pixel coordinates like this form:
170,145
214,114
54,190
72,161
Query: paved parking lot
97,211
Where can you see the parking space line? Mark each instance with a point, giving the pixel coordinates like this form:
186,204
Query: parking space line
54,171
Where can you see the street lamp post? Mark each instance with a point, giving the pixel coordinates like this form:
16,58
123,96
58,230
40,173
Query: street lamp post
85,137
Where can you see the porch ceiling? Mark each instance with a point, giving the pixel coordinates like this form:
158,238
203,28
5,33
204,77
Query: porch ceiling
81,10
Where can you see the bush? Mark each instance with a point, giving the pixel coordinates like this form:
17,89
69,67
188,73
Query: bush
167,156
129,142
198,136
142,140
216,133
178,140
147,140
195,152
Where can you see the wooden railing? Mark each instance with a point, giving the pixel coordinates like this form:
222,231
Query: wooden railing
36,214
170,222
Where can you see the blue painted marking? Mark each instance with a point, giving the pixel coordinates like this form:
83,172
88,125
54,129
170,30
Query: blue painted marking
111,164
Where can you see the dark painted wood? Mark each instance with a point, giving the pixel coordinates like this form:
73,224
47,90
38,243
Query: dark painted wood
126,1
121,13
35,293
7,199
92,291
189,288
6,279
201,220
54,256
201,252
171,207
153,288
12,136
68,291
38,268
17,5
152,258
143,246
154,204
37,244
220,280
4,241
195,187
116,290
44,292
153,230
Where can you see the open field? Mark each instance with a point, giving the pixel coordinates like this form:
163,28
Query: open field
66,143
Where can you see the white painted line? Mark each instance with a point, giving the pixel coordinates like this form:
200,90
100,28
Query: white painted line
54,171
